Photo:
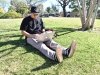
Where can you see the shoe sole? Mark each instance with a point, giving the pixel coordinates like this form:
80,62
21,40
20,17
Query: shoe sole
73,48
59,54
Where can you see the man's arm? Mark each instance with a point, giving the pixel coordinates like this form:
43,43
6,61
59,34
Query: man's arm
29,35
26,34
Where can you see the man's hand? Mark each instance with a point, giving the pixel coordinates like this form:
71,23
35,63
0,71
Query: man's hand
43,30
36,36
30,35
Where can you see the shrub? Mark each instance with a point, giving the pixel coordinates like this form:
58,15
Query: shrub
1,14
12,14
1,10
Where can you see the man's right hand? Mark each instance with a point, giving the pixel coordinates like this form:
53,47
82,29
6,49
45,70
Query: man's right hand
30,35
36,36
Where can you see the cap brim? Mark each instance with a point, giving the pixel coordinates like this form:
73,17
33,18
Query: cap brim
35,13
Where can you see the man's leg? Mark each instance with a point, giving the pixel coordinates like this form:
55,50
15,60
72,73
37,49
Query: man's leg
53,45
46,51
67,51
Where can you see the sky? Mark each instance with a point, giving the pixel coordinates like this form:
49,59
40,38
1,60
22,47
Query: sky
46,4
54,2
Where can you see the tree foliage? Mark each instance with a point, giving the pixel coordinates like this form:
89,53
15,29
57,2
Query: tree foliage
11,14
73,5
48,9
1,10
34,3
11,8
23,6
54,8
3,3
40,6
19,6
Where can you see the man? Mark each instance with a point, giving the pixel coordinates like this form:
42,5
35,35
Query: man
32,26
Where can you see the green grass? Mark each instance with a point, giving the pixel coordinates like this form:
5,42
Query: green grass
16,59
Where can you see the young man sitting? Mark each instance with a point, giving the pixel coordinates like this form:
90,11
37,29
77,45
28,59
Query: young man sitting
32,26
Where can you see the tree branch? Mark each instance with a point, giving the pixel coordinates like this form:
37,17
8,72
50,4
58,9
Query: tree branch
81,13
91,10
60,3
67,2
95,13
84,11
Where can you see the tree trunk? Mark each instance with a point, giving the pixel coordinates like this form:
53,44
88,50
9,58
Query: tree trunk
87,22
84,13
94,16
87,25
81,13
64,11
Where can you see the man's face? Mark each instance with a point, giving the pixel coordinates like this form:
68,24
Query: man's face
34,16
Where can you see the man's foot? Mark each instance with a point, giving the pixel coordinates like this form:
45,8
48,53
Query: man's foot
71,49
59,54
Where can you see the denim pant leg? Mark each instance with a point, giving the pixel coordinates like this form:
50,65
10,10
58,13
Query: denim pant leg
53,45
42,48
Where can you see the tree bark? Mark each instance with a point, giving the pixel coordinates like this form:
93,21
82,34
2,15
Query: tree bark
81,13
84,12
86,19
90,14
64,11
94,16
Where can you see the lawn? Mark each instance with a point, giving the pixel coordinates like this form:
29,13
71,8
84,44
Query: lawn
16,59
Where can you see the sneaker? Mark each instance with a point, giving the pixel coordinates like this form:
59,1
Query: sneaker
59,54
71,49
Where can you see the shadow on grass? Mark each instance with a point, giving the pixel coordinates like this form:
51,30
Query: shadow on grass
48,62
29,49
64,31
17,43
8,30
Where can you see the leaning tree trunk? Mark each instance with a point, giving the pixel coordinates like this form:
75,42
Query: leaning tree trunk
88,16
94,16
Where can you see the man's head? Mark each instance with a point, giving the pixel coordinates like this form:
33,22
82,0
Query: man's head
34,12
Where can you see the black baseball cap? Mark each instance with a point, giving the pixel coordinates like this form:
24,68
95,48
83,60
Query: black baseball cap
35,10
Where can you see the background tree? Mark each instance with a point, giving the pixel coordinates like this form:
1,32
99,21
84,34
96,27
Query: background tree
19,6
40,6
54,8
98,13
34,3
63,4
1,10
3,3
48,9
74,6
11,8
88,13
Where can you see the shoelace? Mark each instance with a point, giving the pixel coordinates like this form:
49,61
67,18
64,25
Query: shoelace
55,57
67,50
